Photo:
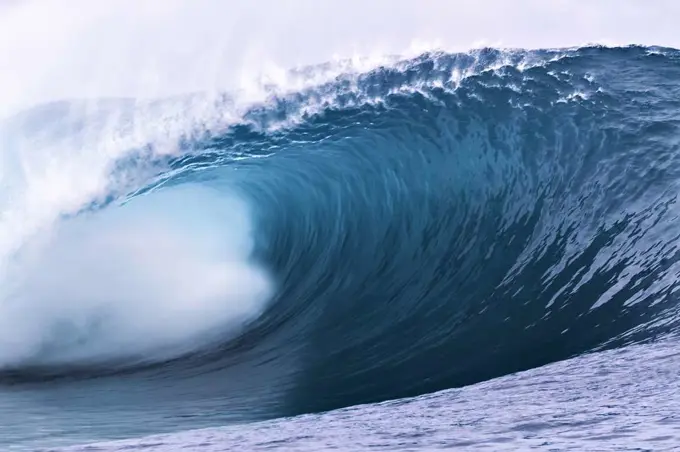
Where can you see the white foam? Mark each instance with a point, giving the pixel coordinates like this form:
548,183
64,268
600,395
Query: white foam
147,280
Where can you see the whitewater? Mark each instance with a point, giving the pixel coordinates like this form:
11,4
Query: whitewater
337,225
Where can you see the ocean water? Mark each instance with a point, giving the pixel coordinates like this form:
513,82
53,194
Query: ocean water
619,400
473,249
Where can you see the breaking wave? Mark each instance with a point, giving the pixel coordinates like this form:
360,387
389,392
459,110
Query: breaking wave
427,224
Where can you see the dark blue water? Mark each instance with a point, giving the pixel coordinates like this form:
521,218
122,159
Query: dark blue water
429,225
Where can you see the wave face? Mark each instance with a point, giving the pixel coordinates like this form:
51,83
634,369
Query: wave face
428,224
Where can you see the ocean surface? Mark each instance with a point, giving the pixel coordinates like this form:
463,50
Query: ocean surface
475,250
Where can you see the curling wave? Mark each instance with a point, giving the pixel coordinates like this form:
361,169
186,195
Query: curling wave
428,224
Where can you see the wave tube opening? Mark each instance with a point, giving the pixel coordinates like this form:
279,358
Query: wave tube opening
145,281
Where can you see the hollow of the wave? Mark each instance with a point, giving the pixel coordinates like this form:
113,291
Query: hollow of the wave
144,281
